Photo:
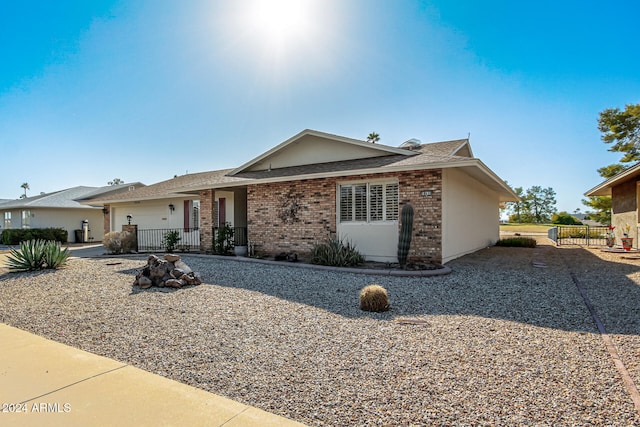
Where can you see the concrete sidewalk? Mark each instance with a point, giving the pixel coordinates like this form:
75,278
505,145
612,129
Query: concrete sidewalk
43,382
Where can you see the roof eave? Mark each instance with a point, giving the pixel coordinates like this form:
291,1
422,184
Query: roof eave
604,188
100,203
506,193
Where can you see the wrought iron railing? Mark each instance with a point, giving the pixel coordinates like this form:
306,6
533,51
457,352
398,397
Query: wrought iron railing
579,235
150,240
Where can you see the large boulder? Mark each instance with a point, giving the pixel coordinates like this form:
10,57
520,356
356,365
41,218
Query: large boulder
169,271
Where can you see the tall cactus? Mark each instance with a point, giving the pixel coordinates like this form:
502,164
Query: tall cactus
406,228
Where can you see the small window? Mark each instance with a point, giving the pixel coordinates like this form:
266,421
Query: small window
26,219
195,213
7,220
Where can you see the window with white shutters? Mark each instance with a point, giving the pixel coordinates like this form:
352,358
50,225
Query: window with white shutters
368,202
375,202
346,203
391,202
360,202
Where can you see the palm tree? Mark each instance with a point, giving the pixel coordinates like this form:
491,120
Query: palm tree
24,186
373,137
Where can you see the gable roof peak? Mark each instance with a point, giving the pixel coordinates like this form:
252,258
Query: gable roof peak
311,146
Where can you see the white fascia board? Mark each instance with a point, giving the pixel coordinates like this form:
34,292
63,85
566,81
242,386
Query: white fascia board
604,188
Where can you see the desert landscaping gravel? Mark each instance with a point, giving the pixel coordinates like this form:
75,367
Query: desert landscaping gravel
505,339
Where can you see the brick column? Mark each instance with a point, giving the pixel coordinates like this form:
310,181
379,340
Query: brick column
207,215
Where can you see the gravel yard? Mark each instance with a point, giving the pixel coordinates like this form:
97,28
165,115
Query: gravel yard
496,342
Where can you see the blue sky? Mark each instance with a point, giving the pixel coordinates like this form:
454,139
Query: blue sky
144,90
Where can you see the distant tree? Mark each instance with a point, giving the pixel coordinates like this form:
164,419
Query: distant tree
516,207
373,137
116,181
601,206
564,218
25,187
622,129
536,205
541,203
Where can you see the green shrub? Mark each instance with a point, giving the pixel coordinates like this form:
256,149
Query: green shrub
336,253
374,298
520,242
564,218
223,243
118,242
13,236
170,240
37,255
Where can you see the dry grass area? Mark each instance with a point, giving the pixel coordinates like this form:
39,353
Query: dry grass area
525,228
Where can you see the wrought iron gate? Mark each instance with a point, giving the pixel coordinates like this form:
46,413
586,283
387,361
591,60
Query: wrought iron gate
578,235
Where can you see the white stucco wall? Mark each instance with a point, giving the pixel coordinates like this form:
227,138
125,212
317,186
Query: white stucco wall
376,241
68,219
229,205
153,214
470,215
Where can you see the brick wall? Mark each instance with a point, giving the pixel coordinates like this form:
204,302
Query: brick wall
291,216
426,242
274,231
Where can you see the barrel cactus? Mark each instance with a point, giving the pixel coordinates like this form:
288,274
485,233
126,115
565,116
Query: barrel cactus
406,229
374,298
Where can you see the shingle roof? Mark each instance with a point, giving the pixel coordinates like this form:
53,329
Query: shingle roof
456,147
171,187
69,198
439,154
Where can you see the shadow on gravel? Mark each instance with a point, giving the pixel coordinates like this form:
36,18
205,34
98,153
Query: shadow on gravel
613,287
498,283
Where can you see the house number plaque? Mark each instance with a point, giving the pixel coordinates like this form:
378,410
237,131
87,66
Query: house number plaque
426,193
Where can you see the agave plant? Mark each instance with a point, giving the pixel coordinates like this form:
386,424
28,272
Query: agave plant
337,253
37,255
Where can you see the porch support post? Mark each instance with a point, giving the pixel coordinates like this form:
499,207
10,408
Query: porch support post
106,224
207,215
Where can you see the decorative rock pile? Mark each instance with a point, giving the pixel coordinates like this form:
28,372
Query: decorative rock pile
169,271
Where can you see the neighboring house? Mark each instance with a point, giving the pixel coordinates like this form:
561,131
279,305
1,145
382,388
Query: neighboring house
155,209
624,189
61,209
591,223
316,185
